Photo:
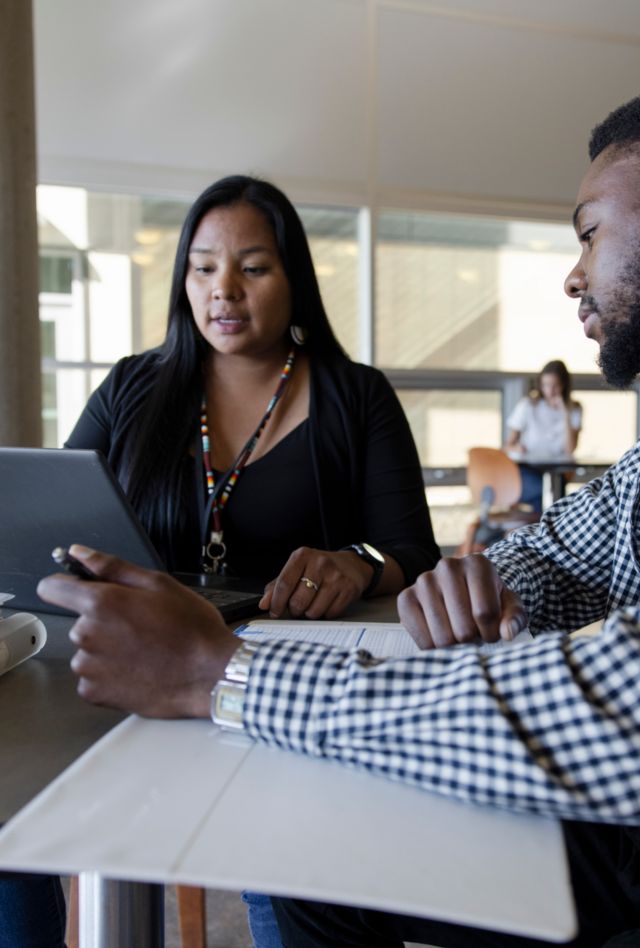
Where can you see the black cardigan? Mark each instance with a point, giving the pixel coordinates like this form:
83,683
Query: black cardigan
367,474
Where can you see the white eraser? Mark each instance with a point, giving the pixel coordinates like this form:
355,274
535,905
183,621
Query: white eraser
21,636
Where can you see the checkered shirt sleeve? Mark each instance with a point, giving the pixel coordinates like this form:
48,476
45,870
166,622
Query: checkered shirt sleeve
580,563
551,728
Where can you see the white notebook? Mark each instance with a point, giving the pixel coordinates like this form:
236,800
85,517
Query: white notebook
382,639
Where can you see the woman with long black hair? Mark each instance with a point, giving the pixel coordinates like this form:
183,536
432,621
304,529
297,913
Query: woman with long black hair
251,399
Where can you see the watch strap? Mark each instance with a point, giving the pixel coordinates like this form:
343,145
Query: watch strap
376,561
227,697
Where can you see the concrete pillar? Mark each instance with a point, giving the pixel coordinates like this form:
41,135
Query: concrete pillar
20,383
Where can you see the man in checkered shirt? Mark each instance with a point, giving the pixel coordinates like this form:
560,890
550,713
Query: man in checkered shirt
551,728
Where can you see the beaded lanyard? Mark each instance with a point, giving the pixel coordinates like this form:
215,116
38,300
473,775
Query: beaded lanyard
214,552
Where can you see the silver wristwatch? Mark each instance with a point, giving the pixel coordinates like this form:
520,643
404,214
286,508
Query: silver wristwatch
227,698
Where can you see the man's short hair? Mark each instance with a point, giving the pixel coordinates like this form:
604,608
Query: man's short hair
621,128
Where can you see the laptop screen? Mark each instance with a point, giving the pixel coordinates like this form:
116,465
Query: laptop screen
55,497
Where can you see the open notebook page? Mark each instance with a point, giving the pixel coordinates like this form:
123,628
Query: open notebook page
382,639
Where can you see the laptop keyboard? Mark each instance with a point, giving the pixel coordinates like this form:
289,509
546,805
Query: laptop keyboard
223,597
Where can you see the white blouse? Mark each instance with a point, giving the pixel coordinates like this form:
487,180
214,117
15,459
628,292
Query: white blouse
542,427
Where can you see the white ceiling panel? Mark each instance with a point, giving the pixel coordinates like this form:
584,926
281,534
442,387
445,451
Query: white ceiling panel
274,86
472,108
606,18
480,100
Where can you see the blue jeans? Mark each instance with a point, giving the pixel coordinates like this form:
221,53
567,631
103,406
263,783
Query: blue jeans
262,920
531,487
32,911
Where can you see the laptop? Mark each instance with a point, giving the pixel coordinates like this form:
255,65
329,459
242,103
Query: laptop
56,497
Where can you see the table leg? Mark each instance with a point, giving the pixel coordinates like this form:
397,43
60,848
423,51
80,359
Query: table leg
557,485
114,914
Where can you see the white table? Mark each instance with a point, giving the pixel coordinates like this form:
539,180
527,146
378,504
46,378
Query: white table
179,801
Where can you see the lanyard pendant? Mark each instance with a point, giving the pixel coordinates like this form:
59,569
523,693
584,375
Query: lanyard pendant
213,553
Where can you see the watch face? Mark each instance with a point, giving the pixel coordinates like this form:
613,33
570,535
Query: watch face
227,702
373,553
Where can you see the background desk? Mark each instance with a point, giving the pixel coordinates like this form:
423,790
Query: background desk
553,472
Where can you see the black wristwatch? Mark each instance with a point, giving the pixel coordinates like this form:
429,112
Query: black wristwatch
371,556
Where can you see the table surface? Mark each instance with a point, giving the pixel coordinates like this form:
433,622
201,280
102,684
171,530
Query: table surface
45,726
566,462
192,804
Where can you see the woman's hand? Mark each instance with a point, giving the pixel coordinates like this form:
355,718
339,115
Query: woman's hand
317,584
461,600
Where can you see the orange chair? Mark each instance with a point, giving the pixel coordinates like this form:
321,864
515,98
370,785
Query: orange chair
495,484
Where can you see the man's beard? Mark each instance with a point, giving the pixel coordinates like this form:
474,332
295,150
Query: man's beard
619,356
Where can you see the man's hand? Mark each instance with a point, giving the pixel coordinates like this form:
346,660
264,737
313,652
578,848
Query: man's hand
461,600
317,584
145,643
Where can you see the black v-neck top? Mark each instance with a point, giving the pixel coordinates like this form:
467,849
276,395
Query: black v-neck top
349,473
272,510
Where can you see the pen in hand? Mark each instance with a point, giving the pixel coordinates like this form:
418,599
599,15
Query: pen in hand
69,563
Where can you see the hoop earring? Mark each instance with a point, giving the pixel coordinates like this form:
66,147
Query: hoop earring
299,334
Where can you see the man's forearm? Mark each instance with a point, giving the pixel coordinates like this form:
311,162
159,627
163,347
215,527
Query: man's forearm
528,728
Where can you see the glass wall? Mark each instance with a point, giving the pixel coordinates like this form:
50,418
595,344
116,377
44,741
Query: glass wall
454,295
458,293
333,238
475,293
442,420
608,424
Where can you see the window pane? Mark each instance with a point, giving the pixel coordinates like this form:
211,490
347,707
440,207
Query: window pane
49,413
333,240
56,274
156,240
65,392
47,339
608,424
451,512
445,424
62,327
465,292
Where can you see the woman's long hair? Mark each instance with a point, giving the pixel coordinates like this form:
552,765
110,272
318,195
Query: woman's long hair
558,368
164,429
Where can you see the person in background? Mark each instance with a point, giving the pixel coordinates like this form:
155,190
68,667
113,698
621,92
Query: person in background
555,724
545,424
249,443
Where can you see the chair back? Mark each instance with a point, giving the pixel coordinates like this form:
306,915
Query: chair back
490,467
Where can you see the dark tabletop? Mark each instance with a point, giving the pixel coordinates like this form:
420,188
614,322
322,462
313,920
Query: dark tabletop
44,725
